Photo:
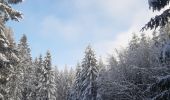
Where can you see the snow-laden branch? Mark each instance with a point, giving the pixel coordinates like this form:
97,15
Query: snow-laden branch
159,20
157,4
10,13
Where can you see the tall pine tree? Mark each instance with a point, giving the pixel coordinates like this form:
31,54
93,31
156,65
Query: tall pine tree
26,68
8,56
89,75
75,90
48,85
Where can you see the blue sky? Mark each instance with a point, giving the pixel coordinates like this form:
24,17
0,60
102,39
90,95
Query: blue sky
66,27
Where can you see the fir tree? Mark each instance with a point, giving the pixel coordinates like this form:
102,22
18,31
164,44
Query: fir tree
134,43
38,64
26,68
159,20
8,56
101,65
75,90
77,84
89,75
57,82
48,85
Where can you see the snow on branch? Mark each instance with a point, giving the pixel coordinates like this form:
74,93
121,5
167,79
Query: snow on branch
161,85
10,13
159,20
14,1
157,4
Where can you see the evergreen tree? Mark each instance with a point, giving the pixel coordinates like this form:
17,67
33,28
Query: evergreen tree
24,50
38,64
78,81
132,52
159,20
66,83
62,85
144,51
48,85
113,63
75,89
101,65
134,43
26,68
8,58
89,75
57,82
155,51
71,77
12,85
160,90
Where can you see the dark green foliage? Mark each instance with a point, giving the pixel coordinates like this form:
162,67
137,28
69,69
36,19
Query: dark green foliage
158,4
159,20
161,89
14,1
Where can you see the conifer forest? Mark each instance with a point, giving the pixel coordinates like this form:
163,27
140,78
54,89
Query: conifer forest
139,71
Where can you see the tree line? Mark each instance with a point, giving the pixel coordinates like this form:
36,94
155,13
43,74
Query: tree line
138,72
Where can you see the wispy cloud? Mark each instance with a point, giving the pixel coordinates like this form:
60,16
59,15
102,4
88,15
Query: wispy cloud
72,24
55,27
93,17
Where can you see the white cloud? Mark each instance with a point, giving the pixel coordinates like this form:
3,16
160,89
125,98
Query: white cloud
52,25
122,38
133,14
88,15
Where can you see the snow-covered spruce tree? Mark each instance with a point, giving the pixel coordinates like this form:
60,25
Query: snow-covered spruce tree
155,50
8,56
62,84
159,90
160,47
61,87
77,83
164,43
71,83
102,85
159,20
57,82
38,64
101,65
145,51
114,70
75,89
131,56
139,61
13,85
89,75
48,85
36,79
71,77
112,85
113,63
26,67
134,43
132,51
66,84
